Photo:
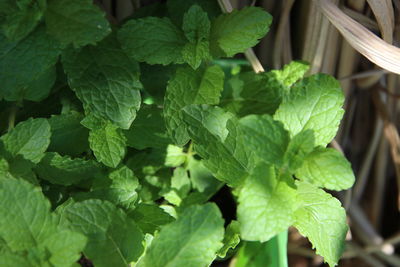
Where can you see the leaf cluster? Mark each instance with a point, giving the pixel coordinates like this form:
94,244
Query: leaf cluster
118,136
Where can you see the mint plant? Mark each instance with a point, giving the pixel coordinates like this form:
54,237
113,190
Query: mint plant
118,137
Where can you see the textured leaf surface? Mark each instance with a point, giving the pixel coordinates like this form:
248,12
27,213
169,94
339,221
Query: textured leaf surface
68,136
148,129
26,225
239,30
33,57
178,8
266,204
265,137
192,240
150,217
196,27
313,103
21,17
64,170
105,80
79,22
290,73
321,218
299,147
113,238
218,141
108,144
231,238
260,93
119,189
29,139
328,168
201,178
163,46
190,87
18,167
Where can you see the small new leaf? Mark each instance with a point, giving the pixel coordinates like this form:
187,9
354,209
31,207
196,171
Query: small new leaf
108,144
196,27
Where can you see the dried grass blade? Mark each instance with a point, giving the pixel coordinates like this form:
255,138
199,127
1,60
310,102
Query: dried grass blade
384,14
368,44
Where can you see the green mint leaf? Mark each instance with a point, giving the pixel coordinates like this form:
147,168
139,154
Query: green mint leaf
174,156
261,93
328,168
21,17
148,129
18,167
200,230
79,22
163,46
218,141
272,253
123,187
322,220
178,8
195,53
40,88
201,178
196,27
108,144
290,73
231,238
113,238
190,87
299,147
180,187
266,204
180,181
34,57
29,139
239,30
68,136
119,189
265,137
63,170
10,259
26,225
150,218
105,80
314,103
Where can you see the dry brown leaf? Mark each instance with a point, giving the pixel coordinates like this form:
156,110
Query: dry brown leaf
368,44
384,14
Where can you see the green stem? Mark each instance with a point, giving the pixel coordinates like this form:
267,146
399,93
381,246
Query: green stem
11,117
